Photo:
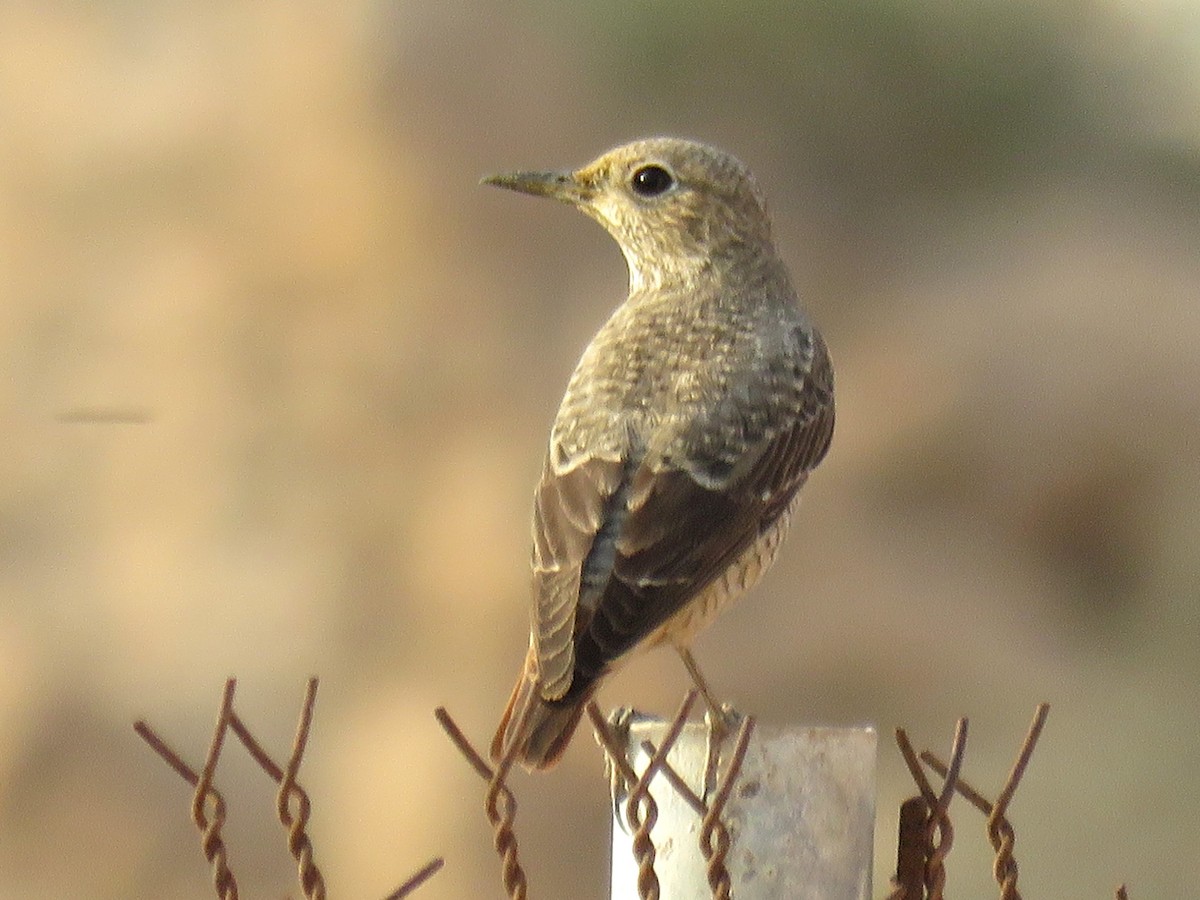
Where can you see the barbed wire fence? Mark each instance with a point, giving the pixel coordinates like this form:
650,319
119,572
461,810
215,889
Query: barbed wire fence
925,833
640,808
293,806
925,837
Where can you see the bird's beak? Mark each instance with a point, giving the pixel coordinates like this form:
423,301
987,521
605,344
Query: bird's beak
564,186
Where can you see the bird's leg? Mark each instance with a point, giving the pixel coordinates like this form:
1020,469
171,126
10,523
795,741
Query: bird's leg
720,718
619,722
689,661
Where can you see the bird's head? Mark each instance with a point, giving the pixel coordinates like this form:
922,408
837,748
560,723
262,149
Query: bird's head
674,206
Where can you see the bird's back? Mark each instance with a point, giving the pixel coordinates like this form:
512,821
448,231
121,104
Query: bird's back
675,402
710,364
686,430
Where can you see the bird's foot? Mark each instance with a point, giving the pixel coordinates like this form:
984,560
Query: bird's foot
620,720
721,722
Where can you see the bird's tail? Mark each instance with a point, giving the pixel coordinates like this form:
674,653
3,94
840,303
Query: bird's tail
540,728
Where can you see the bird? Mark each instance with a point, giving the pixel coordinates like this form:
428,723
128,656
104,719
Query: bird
689,425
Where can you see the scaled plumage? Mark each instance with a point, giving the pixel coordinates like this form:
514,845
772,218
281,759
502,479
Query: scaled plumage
689,425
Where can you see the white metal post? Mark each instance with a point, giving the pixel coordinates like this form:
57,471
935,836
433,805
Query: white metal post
801,816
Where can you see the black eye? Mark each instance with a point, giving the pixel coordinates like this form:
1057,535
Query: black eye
650,181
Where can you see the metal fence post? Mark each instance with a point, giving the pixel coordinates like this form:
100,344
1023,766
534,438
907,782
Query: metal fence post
801,816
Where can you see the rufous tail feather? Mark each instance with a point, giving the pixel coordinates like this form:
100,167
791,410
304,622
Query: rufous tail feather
540,728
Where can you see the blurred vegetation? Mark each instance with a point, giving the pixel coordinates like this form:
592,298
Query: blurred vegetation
279,375
886,100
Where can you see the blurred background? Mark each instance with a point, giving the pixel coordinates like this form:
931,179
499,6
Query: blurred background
279,374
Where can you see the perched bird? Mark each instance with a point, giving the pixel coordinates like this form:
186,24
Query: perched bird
689,425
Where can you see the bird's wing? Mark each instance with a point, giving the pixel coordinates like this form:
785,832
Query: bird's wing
684,528
570,510
679,528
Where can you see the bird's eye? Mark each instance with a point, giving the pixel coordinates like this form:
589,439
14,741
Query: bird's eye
650,181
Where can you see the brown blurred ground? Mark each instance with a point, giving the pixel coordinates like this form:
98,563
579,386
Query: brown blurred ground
278,376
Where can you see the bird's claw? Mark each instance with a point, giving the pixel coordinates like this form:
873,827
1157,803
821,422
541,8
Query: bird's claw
724,721
720,724
619,721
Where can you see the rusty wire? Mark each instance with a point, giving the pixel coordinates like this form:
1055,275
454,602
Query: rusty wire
298,841
917,842
1000,830
501,808
911,851
926,833
641,809
612,747
206,793
499,804
690,797
714,835
417,879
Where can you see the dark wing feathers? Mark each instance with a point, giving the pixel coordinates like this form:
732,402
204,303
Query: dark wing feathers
676,536
569,511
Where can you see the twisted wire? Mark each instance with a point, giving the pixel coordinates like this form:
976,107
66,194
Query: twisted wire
298,842
211,842
639,796
938,822
417,879
641,810
311,880
500,805
1000,831
933,875
715,839
690,797
209,823
912,850
209,810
